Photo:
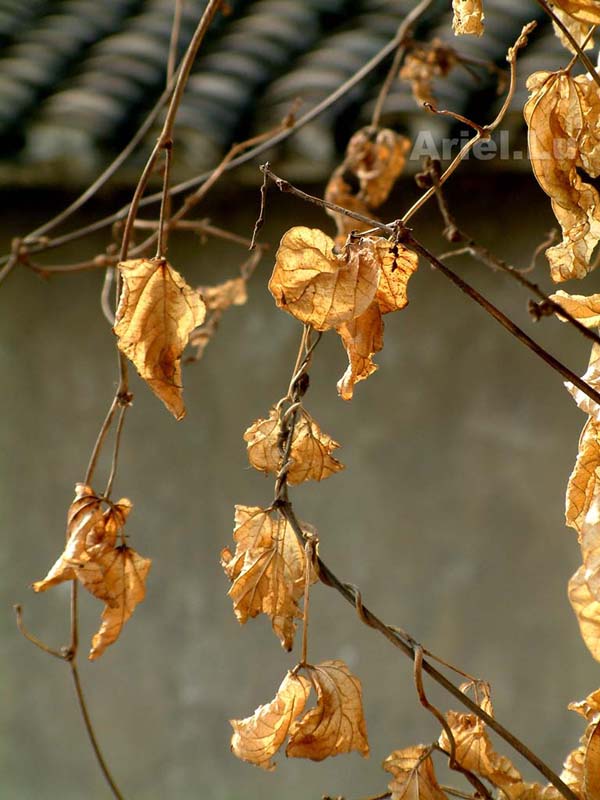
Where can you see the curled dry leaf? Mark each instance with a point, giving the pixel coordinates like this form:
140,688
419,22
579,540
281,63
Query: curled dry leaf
267,570
423,64
310,451
414,775
592,378
375,158
317,286
256,739
587,611
337,724
223,295
468,17
362,337
123,580
584,480
564,144
591,764
584,10
585,308
578,30
589,708
156,314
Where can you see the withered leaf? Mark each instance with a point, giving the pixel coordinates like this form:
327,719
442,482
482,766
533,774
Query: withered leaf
564,141
123,573
310,451
468,17
572,772
585,308
318,286
584,10
336,725
591,764
85,525
423,64
414,775
592,378
223,295
156,314
583,482
257,738
587,611
362,337
268,570
589,708
578,30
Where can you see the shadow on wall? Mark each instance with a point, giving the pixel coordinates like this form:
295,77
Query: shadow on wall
449,516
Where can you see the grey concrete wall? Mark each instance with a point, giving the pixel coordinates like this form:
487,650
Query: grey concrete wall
449,516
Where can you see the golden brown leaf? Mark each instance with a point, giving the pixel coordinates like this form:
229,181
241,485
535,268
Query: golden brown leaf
318,286
336,725
564,141
223,295
584,10
423,64
123,586
468,17
414,775
85,526
572,772
268,570
257,738
592,378
362,337
589,708
587,611
578,30
310,451
156,314
591,764
583,482
585,309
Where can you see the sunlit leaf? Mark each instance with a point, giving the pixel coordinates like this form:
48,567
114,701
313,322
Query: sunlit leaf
587,611
468,17
268,570
336,725
257,738
584,10
414,775
156,314
583,482
310,451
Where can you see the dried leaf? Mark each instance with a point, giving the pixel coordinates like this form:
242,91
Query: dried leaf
223,295
564,142
310,451
124,575
257,738
156,314
583,482
317,286
592,378
268,570
336,725
587,611
572,773
591,765
85,526
578,30
362,337
589,708
585,309
584,10
424,63
414,775
468,17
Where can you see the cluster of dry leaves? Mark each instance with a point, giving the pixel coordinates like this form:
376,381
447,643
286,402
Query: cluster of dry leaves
414,773
97,556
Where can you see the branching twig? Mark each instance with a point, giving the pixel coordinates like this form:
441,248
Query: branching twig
587,63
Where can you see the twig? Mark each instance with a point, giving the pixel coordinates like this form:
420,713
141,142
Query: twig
402,34
33,639
260,220
174,40
115,458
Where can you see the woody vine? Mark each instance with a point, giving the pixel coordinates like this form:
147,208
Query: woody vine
345,284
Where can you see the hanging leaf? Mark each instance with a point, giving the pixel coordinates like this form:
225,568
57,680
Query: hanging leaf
310,451
578,30
564,144
336,725
468,17
156,314
592,378
591,765
583,482
267,570
587,611
256,739
223,295
124,574
414,775
585,309
423,64
316,285
584,10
